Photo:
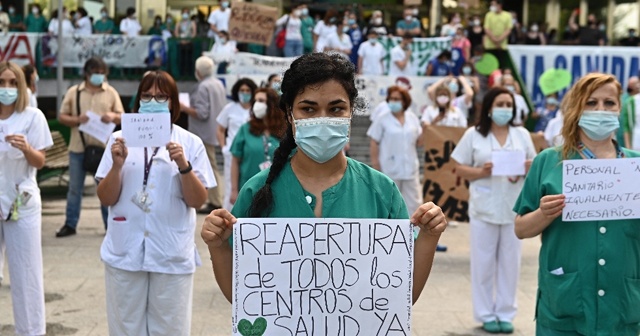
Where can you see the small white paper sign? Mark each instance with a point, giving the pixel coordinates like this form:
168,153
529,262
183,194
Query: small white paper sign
508,163
146,130
325,276
4,145
603,189
183,97
96,128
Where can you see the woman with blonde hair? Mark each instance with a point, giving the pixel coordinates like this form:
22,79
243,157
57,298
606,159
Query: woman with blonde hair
24,136
589,272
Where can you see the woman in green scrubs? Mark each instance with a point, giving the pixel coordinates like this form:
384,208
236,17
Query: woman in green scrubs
311,177
255,143
589,272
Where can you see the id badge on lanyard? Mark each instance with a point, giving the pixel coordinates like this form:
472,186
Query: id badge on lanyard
141,198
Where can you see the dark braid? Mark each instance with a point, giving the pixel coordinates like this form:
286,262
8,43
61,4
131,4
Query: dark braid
263,200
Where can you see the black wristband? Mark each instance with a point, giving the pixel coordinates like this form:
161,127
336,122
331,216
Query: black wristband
186,170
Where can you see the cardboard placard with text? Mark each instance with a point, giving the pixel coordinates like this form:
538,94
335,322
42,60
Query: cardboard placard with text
252,23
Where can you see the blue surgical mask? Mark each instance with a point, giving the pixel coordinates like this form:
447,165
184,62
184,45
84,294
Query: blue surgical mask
225,4
304,12
153,106
453,87
276,86
552,101
351,22
96,79
395,106
501,115
8,96
466,71
510,88
599,125
244,97
321,139
345,29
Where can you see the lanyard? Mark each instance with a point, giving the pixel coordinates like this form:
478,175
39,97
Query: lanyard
147,166
266,144
589,154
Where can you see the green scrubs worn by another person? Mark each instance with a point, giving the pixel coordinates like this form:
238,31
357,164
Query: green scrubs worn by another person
36,23
250,149
306,29
104,26
17,24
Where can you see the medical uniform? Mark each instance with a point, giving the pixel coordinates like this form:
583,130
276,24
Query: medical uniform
453,117
495,249
363,192
21,235
398,154
253,151
589,272
232,117
150,257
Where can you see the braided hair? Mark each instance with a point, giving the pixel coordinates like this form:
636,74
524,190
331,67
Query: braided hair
308,70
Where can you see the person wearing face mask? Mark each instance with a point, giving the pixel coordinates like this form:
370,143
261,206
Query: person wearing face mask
371,55
306,28
231,118
400,63
475,32
95,95
588,274
522,108
631,40
452,25
440,66
461,43
534,36
83,23
67,26
256,141
105,25
443,111
393,146
377,23
589,34
546,113
325,28
340,41
31,78
206,102
219,20
273,82
157,27
149,253
35,22
495,249
356,37
16,24
223,51
497,27
312,178
129,25
26,136
460,92
409,24
293,35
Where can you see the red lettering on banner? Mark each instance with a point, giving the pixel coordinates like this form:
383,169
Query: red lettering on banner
10,51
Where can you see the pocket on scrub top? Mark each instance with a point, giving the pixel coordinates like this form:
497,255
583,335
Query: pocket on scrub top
562,295
631,301
118,235
180,246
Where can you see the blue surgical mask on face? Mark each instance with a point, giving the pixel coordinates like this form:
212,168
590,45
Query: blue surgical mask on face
8,96
244,97
153,106
599,125
501,115
225,4
351,22
395,106
552,101
453,87
96,79
321,139
510,88
304,12
466,71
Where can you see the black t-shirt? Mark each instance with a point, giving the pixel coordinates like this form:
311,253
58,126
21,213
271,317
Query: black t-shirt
589,36
474,38
630,41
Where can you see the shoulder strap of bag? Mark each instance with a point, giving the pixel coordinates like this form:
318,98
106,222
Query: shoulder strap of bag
84,143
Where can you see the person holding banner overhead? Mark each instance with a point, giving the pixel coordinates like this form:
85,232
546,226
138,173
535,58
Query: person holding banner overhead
493,156
312,178
24,136
152,193
589,272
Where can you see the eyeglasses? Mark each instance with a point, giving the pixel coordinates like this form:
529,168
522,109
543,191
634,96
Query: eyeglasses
160,98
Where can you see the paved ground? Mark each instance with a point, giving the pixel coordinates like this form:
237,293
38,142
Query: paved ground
74,284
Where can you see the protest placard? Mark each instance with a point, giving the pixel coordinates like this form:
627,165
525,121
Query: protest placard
184,99
252,23
146,130
604,189
507,163
322,277
96,128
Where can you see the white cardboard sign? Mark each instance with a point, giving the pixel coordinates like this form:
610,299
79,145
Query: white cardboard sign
146,130
322,277
508,163
603,189
96,128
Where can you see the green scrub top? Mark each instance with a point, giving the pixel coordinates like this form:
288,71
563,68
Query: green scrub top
35,24
363,192
249,148
156,30
598,292
104,26
14,19
306,29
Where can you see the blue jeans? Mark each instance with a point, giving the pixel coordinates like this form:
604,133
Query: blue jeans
76,188
292,48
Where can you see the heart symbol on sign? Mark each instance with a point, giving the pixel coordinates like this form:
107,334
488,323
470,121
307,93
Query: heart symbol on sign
487,64
257,328
554,80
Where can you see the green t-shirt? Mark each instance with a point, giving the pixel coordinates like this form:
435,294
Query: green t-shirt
156,30
598,290
104,27
363,192
35,24
15,19
306,29
250,149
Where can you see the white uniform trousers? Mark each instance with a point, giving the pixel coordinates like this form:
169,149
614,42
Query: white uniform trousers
227,180
147,303
22,240
2,248
411,191
495,268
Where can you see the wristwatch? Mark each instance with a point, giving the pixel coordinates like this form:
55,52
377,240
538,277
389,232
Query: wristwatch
186,170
